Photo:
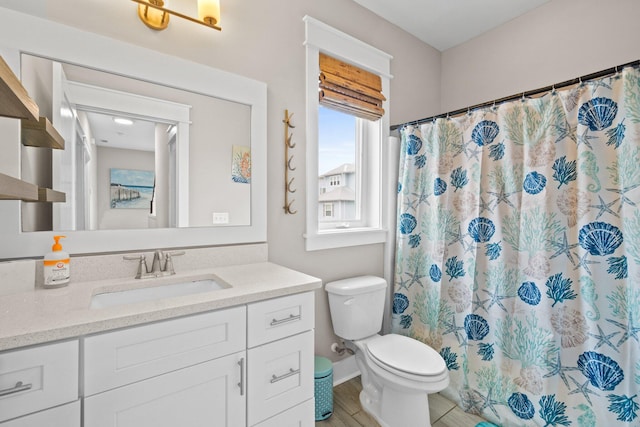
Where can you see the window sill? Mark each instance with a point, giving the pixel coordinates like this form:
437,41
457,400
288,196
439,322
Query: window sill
342,238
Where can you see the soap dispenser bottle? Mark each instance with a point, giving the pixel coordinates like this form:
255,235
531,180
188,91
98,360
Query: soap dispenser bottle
56,266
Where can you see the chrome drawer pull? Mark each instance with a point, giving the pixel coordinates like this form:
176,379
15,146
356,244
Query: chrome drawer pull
291,318
275,379
16,389
241,383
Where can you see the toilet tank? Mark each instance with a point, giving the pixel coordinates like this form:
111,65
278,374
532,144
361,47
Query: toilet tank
357,306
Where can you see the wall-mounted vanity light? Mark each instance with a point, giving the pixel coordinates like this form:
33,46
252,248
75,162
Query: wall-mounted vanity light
156,16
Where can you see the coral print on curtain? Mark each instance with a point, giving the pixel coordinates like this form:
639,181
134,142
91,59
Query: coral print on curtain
518,254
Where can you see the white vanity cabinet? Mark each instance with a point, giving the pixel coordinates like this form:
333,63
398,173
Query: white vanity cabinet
33,380
250,365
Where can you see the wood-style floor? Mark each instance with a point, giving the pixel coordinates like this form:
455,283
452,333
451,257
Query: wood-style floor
347,411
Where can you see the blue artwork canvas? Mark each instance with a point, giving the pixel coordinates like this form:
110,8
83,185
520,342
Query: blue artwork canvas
131,189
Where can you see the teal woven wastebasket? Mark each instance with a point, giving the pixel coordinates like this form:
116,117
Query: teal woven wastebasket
323,374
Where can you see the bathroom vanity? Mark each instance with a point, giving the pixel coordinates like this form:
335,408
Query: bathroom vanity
241,355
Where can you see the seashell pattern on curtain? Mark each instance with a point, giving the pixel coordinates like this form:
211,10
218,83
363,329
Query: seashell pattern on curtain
518,254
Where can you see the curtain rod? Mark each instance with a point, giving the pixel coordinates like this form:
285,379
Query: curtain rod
592,76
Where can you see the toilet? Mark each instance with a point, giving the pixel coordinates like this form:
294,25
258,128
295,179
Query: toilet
397,372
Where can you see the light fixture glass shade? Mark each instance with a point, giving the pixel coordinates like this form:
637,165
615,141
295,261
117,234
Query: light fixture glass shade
123,121
209,11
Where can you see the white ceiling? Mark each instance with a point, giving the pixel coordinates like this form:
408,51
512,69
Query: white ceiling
447,23
138,136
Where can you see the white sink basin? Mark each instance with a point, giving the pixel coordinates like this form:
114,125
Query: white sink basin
129,296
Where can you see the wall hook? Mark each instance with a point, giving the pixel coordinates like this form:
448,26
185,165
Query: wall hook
289,184
287,208
291,168
289,143
287,119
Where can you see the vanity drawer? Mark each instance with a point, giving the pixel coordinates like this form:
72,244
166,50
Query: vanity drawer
279,317
61,416
38,378
122,357
281,376
302,415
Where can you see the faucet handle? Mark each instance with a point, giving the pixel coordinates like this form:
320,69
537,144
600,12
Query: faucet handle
168,266
142,263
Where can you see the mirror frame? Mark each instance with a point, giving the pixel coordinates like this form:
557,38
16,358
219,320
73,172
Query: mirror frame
21,33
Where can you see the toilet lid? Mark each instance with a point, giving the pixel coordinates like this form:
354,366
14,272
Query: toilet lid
406,355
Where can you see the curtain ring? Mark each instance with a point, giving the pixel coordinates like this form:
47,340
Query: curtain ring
618,73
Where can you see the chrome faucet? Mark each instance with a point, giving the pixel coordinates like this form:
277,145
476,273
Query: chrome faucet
162,264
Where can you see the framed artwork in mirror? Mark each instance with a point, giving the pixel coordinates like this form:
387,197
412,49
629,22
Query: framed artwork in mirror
241,164
130,188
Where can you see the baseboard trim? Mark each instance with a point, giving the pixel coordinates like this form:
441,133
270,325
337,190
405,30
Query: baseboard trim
344,370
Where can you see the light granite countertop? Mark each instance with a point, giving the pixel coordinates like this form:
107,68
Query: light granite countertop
45,315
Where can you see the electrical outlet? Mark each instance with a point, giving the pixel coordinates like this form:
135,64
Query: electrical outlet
221,217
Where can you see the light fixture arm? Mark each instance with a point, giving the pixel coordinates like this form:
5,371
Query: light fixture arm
208,22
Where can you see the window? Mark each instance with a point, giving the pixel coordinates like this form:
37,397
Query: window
328,209
339,164
345,167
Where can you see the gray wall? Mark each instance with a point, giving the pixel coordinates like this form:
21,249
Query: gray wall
556,42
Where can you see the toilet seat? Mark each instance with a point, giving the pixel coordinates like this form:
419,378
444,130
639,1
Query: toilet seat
406,357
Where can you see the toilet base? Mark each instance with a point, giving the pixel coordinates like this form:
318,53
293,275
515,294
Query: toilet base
398,409
393,401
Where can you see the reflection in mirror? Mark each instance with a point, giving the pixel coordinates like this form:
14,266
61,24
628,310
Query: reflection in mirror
137,155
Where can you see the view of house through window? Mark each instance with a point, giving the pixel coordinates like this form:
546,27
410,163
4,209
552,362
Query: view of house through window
338,147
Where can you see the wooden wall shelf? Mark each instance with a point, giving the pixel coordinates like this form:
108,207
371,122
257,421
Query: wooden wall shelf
52,196
16,102
41,134
37,131
15,189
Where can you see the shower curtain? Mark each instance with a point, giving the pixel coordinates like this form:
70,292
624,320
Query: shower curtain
518,254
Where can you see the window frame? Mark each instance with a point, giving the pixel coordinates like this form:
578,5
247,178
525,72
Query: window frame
323,38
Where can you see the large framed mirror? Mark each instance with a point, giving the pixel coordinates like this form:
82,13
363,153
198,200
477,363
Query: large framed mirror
182,179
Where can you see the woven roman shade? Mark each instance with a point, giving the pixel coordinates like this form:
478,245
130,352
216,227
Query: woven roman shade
352,90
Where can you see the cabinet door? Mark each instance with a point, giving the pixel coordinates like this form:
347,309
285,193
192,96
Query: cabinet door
210,394
281,376
62,416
